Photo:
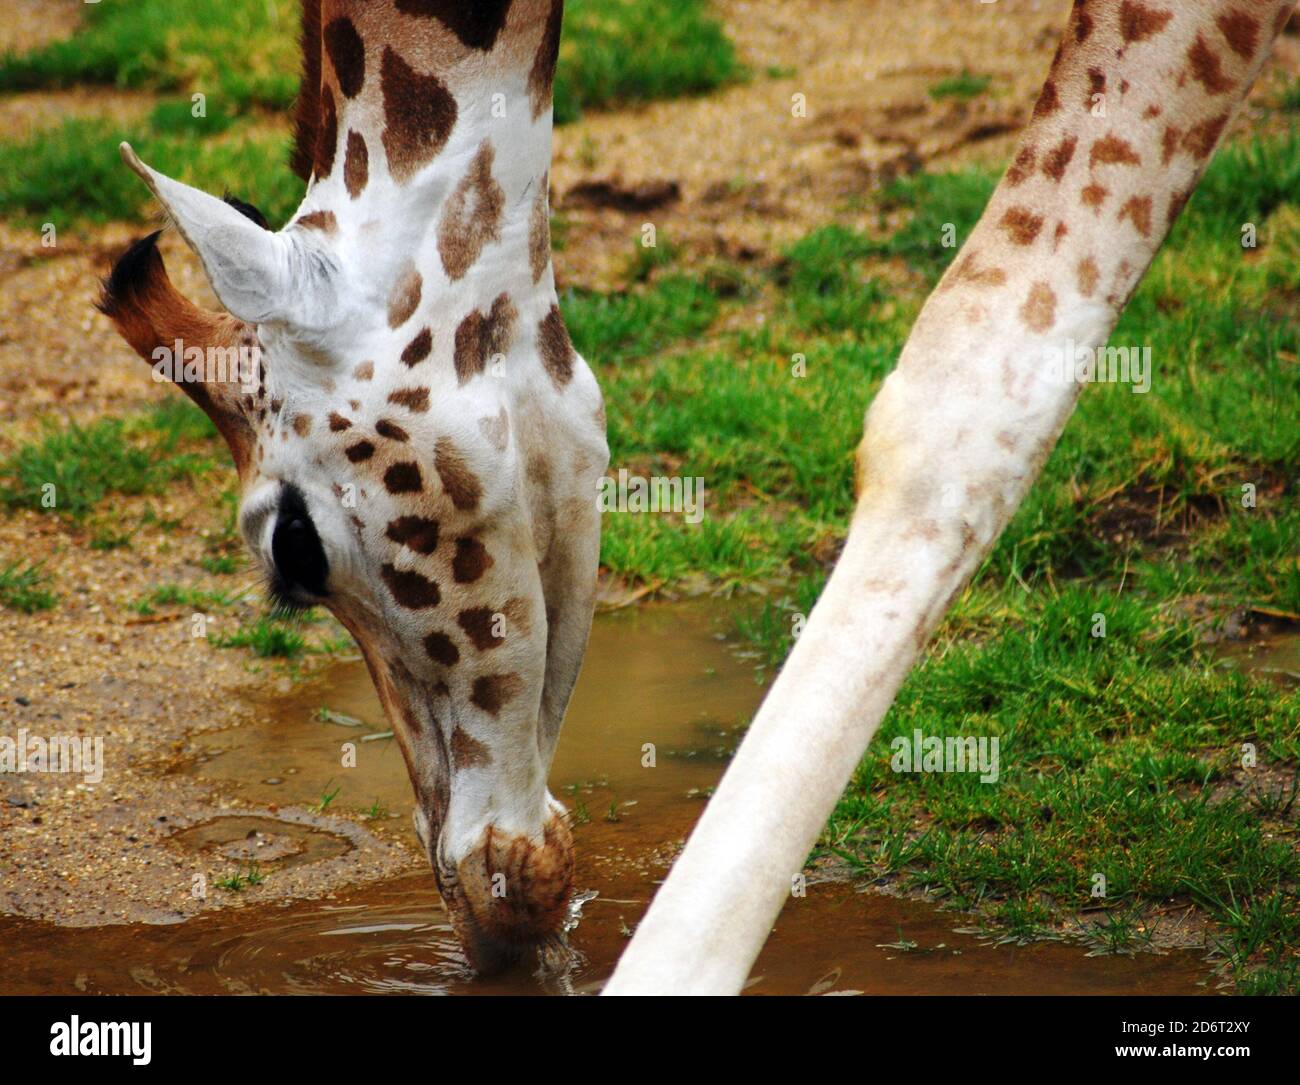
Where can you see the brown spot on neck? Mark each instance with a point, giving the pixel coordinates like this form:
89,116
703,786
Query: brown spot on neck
442,649
480,338
1114,151
471,561
1137,22
1060,157
479,624
1242,31
468,752
406,295
556,349
1021,225
1207,67
356,165
1039,310
458,481
403,478
347,54
419,114
1138,211
541,78
410,589
472,218
415,400
493,692
418,348
324,221
476,23
415,532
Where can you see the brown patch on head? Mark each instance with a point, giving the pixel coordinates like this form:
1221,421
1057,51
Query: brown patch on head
442,649
480,338
419,114
539,230
418,348
493,692
458,481
1039,310
327,135
479,624
1089,276
347,54
338,423
1021,225
415,532
360,452
1062,231
415,400
324,221
467,752
1113,151
410,589
1241,31
364,372
1048,102
471,561
1138,211
1095,195
405,298
473,216
356,165
1137,22
1057,161
541,79
1207,67
403,478
556,349
476,23
1022,166
302,424
1177,202
391,430
1170,143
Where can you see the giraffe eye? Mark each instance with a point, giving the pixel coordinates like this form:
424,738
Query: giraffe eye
301,568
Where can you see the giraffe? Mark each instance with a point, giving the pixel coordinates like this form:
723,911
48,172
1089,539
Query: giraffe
955,437
418,445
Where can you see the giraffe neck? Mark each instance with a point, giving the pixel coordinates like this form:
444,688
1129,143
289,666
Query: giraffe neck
429,143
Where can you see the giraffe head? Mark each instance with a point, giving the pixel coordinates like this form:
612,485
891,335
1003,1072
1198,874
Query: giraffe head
417,443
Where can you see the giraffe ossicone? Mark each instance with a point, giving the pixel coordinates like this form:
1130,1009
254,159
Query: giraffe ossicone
418,444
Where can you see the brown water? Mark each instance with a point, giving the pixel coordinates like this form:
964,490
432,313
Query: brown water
655,675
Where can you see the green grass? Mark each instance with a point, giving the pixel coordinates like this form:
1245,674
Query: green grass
964,86
267,638
243,54
71,470
74,172
23,587
616,52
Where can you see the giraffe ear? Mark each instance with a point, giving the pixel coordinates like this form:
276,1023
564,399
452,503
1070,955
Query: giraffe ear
258,275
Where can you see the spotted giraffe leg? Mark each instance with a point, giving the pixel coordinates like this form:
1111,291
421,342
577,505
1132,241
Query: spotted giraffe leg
955,438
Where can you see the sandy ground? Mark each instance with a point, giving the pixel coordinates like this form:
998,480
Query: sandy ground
749,177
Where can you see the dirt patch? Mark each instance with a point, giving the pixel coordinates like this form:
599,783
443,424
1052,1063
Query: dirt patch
29,24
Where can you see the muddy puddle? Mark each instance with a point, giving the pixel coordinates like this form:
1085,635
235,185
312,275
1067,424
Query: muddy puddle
660,676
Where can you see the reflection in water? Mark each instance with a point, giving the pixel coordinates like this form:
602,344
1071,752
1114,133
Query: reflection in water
661,702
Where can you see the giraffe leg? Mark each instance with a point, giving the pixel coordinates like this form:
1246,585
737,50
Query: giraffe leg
955,438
